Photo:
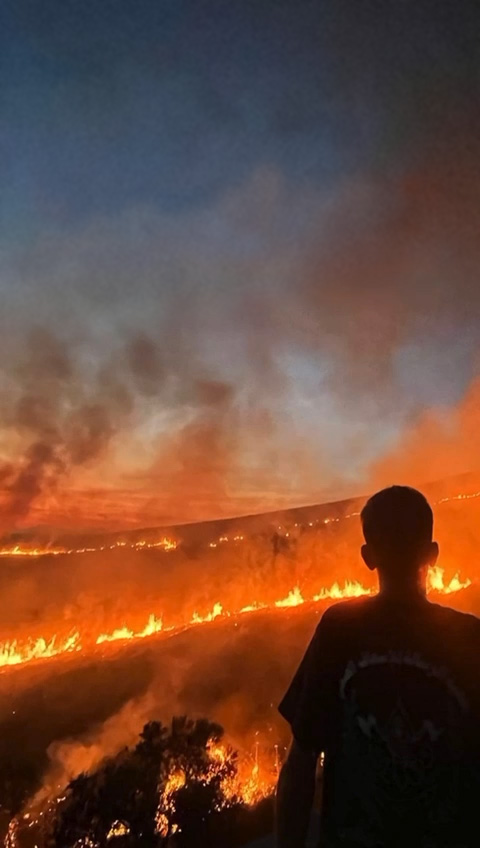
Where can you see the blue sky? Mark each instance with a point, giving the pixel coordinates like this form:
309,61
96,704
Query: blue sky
278,196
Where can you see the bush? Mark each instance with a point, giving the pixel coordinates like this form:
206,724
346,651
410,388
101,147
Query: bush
167,791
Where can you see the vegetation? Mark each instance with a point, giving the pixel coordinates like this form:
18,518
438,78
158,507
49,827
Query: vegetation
170,790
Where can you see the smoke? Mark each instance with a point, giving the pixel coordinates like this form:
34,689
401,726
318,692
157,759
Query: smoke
69,758
144,361
196,675
242,371
61,420
232,672
302,230
440,443
396,266
279,306
94,704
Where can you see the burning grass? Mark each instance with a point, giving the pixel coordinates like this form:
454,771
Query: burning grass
286,540
236,611
14,653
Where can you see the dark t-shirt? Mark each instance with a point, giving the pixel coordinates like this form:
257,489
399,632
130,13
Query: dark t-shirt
390,693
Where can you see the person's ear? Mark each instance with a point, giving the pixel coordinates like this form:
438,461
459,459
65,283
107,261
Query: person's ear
368,557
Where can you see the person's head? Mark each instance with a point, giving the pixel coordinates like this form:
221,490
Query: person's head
398,529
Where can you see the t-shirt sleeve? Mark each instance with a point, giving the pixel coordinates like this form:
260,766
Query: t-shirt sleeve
309,703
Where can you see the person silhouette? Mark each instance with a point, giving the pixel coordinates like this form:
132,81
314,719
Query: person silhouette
388,692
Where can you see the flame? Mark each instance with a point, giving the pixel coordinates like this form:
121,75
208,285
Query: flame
168,544
351,589
216,612
252,778
153,625
255,777
175,782
166,804
435,582
293,599
118,828
15,653
256,774
164,543
11,653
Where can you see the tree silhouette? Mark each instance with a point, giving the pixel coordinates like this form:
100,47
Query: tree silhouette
167,791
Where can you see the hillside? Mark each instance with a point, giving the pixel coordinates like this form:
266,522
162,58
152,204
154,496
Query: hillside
232,614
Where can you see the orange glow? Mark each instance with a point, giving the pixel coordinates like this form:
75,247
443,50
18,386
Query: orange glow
24,551
435,582
14,653
168,544
118,828
255,777
256,772
153,625
11,653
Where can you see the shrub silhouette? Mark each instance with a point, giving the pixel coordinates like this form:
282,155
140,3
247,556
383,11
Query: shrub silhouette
162,792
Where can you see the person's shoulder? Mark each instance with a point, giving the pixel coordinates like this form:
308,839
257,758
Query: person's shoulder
464,621
343,612
340,622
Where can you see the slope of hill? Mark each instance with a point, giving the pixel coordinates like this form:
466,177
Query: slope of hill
61,716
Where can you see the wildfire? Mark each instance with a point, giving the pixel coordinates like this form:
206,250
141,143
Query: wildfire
255,777
164,543
153,625
166,804
118,828
435,582
251,780
168,544
12,653
16,653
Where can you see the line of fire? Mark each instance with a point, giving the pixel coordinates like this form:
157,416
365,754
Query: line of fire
126,632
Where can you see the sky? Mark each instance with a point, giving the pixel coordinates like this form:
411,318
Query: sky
238,253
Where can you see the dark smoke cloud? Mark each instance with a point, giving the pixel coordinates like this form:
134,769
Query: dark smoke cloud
63,422
328,282
39,469
386,266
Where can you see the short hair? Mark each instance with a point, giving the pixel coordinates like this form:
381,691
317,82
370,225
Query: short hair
397,521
